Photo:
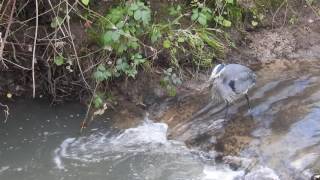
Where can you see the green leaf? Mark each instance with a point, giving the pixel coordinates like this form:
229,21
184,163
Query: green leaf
102,73
132,72
137,15
229,1
122,65
107,38
181,39
116,14
202,19
175,11
155,34
133,44
166,44
98,102
122,47
120,24
146,17
195,14
226,23
59,60
133,7
137,59
115,36
85,2
56,22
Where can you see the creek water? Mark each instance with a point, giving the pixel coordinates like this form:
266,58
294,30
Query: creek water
282,138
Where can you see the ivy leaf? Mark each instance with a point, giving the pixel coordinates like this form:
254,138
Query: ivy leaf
85,2
59,60
166,44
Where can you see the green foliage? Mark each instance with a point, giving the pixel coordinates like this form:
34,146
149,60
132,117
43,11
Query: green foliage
85,2
102,73
98,101
58,60
155,34
170,81
175,10
166,43
119,33
202,15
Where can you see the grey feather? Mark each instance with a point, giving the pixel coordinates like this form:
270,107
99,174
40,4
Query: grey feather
231,82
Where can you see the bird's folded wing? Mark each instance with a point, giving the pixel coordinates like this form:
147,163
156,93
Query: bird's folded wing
243,82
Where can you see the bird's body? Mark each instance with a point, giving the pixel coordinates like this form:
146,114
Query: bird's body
230,82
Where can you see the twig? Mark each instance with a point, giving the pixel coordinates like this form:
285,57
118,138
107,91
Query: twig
76,54
22,67
6,111
83,124
34,51
3,41
277,11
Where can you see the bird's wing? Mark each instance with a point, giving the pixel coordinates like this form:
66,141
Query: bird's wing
225,90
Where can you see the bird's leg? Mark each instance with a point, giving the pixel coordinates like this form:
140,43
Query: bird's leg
227,108
249,106
248,101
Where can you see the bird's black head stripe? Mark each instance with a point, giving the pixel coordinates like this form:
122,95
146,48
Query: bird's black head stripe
220,67
232,85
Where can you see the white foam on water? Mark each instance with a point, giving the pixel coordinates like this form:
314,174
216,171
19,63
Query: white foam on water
262,173
221,173
148,137
4,168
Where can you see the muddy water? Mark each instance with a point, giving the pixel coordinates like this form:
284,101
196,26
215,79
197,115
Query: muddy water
278,139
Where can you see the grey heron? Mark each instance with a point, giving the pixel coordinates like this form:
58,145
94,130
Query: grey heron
229,82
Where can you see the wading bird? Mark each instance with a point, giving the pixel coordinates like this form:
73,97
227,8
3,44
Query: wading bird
230,82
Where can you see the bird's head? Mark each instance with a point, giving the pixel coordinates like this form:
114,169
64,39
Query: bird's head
216,72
